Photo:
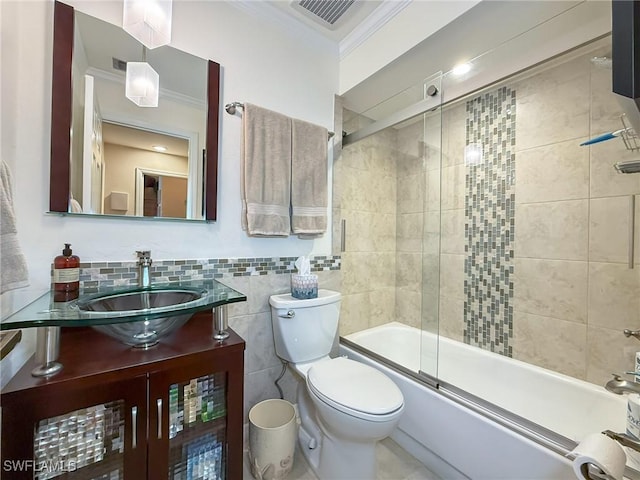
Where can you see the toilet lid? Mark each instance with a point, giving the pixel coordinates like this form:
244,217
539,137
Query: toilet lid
355,386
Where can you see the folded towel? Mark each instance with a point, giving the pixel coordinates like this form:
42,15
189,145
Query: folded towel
308,179
266,172
13,265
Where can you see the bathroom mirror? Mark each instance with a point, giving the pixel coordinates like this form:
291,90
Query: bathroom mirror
105,150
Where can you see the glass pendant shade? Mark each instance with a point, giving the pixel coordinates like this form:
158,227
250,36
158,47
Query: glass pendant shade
148,21
142,84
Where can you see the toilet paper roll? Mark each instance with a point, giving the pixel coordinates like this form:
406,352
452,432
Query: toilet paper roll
602,452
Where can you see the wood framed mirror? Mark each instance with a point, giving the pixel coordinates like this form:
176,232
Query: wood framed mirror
203,172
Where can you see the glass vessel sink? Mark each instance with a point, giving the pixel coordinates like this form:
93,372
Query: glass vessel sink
143,301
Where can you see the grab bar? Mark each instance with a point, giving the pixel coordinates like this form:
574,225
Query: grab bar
232,108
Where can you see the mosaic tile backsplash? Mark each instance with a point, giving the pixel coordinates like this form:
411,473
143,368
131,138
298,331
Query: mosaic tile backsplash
490,222
100,274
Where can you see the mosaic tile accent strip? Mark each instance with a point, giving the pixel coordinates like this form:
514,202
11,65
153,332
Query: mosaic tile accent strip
102,274
490,222
91,437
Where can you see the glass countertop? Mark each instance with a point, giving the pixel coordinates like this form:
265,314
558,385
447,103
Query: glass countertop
45,312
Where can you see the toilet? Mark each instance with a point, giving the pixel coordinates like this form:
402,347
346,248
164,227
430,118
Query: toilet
345,407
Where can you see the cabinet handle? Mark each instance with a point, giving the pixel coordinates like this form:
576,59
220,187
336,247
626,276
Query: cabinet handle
134,427
159,403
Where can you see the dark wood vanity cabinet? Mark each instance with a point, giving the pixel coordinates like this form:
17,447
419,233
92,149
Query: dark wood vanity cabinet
173,411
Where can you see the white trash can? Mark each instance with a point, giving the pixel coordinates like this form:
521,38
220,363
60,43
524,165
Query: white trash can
273,429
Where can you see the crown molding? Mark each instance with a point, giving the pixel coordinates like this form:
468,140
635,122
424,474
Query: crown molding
374,22
263,11
170,94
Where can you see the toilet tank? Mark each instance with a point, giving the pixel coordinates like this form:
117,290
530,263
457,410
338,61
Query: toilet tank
304,330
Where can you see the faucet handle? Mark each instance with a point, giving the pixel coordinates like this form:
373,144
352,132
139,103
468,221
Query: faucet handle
144,257
631,333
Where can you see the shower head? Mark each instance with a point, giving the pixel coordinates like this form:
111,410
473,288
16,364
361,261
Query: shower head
630,166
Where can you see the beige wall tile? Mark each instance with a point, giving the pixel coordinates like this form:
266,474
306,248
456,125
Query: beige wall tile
609,229
433,193
552,288
433,140
553,230
563,351
408,307
614,296
451,318
382,305
453,237
554,172
330,280
409,232
605,109
243,285
453,187
369,232
454,134
553,106
354,313
409,271
609,351
411,194
432,233
452,275
262,287
605,180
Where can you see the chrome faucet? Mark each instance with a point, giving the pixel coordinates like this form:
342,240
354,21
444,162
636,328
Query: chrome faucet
144,266
619,385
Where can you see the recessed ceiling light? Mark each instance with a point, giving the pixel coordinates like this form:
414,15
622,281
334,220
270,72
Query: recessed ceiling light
461,69
159,148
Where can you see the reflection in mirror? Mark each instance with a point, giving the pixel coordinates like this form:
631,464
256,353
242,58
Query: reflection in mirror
109,159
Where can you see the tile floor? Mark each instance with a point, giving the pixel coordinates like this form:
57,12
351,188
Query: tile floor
394,463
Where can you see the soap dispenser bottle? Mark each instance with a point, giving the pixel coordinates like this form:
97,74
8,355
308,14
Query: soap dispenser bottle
66,274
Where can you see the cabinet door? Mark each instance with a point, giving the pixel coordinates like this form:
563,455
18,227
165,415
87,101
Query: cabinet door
195,425
96,433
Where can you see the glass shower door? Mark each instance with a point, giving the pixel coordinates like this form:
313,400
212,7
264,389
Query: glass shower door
430,227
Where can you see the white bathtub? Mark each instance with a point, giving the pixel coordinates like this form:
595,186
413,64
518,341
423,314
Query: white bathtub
457,442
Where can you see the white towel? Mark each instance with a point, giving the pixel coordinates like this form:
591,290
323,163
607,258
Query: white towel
308,179
266,172
13,265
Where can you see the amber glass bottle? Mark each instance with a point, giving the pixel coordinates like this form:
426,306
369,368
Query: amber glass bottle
66,275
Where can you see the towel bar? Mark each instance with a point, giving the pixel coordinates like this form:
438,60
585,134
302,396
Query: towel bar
232,107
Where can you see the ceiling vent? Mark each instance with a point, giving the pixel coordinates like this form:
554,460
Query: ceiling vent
325,12
119,64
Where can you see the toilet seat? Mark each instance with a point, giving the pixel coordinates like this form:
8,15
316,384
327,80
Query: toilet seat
355,389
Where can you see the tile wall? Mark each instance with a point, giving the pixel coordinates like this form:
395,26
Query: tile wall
573,292
257,278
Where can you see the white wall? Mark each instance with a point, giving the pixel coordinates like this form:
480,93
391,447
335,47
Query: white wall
417,21
260,64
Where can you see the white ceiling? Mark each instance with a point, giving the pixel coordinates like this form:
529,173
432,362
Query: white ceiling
352,18
361,20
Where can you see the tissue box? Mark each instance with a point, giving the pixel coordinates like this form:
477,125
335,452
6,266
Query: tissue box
304,286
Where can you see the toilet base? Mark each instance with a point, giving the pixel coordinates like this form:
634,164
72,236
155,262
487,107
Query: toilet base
329,458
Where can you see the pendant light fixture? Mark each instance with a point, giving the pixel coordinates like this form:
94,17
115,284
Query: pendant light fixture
148,21
142,83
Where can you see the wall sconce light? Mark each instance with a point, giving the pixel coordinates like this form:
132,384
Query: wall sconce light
473,154
142,84
148,21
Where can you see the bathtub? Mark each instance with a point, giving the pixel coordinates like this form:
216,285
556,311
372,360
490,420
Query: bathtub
458,438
